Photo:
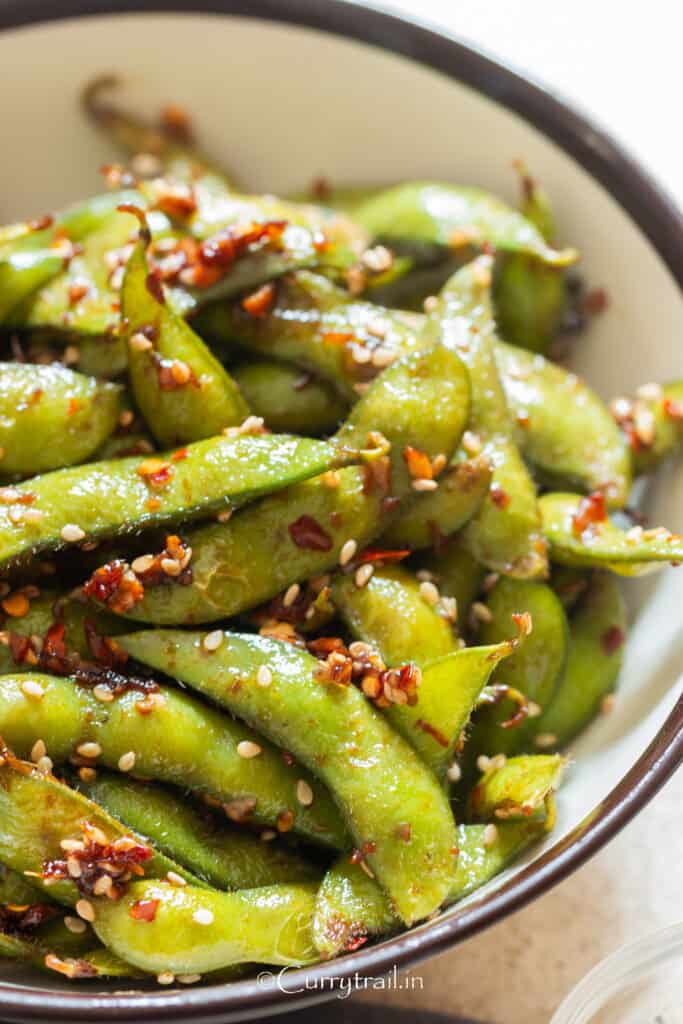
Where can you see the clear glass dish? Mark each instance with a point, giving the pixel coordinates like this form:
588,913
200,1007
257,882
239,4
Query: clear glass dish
642,983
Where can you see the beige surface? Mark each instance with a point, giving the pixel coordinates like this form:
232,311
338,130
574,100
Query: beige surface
519,971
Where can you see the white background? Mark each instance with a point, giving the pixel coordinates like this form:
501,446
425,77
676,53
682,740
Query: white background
622,62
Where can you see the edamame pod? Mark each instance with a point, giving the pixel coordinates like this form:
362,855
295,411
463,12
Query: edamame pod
224,857
393,806
289,400
419,402
652,423
351,908
203,757
194,931
580,534
51,417
104,499
505,534
544,398
519,788
22,273
182,390
596,649
535,669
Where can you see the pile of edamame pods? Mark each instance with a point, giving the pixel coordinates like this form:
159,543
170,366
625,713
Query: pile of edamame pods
309,556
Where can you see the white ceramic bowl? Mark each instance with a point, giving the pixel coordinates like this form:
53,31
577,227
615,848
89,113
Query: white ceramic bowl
280,97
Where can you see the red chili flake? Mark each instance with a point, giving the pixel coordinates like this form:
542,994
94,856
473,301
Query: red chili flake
181,454
404,831
307,533
103,649
377,475
19,646
382,555
144,910
152,504
595,302
288,758
355,857
419,464
35,396
612,639
321,189
337,337
20,921
390,504
118,859
673,409
177,202
53,654
154,286
432,731
592,509
73,407
156,472
285,821
499,496
77,291
115,585
369,847
40,223
176,122
355,943
260,302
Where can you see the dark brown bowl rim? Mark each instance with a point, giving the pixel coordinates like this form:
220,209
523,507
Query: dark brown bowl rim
660,220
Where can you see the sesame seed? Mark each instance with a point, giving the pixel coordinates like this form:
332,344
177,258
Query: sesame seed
363,574
454,773
16,515
32,515
102,693
291,595
85,909
166,978
223,516
429,592
471,442
71,845
268,835
213,640
634,535
73,866
382,357
423,484
304,793
44,765
175,879
75,925
439,463
89,749
534,710
490,836
425,575
649,392
171,567
103,885
430,304
332,479
483,763
360,354
72,533
203,916
490,581
126,418
127,762
247,749
142,563
189,979
87,774
146,165
480,612
360,649
448,607
264,676
38,750
545,739
139,343
31,689
347,552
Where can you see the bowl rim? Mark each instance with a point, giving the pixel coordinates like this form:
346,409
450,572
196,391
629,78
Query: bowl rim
661,221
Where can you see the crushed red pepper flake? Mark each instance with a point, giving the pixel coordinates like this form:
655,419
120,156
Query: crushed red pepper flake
144,910
612,639
307,533
591,510
499,496
260,302
418,462
97,858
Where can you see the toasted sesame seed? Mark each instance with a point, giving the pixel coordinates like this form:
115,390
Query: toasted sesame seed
71,845
248,749
649,392
213,640
171,567
97,835
304,793
634,535
142,563
89,749
44,765
490,836
360,354
166,978
189,979
85,909
264,676
347,552
545,739
423,484
363,574
454,773
73,867
30,688
424,575
490,581
332,479
223,516
126,418
429,592
382,357
483,763
72,533
439,463
175,879
102,693
291,595
74,924
87,774
448,607
127,762
360,649
481,612
430,304
103,885
534,710
471,442
203,916
16,515
139,343
38,750
32,515
268,835
180,371
146,165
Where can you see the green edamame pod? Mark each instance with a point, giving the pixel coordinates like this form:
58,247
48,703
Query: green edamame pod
393,806
182,390
199,930
463,486
597,635
519,788
505,534
289,400
457,573
436,215
122,495
535,669
390,613
580,534
350,907
203,755
224,857
14,888
22,273
300,533
51,417
652,423
544,398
